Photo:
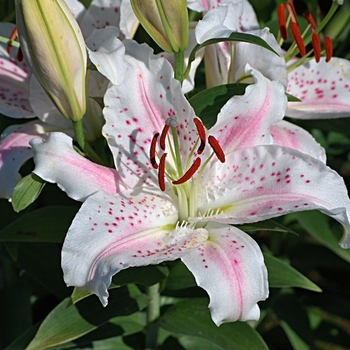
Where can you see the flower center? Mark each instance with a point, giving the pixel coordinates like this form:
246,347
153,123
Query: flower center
301,40
184,176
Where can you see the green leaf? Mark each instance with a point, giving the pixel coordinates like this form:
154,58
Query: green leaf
295,340
235,36
42,262
77,295
294,320
145,275
49,224
208,103
281,274
65,324
191,317
317,225
27,191
267,225
180,277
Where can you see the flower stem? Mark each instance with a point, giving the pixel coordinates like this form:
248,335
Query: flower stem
85,147
153,312
179,66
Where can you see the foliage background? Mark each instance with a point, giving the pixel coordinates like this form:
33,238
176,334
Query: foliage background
31,283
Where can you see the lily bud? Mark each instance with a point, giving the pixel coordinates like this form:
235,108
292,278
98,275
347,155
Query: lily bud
166,21
54,47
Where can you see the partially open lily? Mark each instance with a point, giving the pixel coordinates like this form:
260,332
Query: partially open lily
54,47
178,187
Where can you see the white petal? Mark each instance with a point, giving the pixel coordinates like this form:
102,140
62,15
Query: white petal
290,135
57,162
112,233
323,87
263,182
230,267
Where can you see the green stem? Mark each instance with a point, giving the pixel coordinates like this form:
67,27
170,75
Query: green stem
79,133
179,66
85,146
152,313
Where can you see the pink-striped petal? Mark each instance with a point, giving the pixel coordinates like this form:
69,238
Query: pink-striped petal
323,88
290,135
57,162
15,151
112,233
263,182
245,120
230,267
131,126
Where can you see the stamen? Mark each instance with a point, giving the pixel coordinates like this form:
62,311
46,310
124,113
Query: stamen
329,48
282,23
13,37
20,55
213,142
161,172
316,44
189,173
298,38
310,19
201,134
152,151
291,10
163,136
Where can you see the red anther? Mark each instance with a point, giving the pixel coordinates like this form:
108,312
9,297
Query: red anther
282,23
20,55
13,37
213,142
161,172
163,136
298,38
329,48
291,10
201,134
152,151
316,44
189,173
310,19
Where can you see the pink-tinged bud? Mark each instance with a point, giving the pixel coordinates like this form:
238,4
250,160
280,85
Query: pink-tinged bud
166,21
54,47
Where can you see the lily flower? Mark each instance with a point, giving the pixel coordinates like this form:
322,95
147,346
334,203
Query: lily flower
178,187
321,83
21,96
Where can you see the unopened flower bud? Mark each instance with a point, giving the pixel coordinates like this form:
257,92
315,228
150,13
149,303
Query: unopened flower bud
54,47
166,21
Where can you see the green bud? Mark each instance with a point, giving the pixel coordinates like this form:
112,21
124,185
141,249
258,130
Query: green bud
166,21
53,45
